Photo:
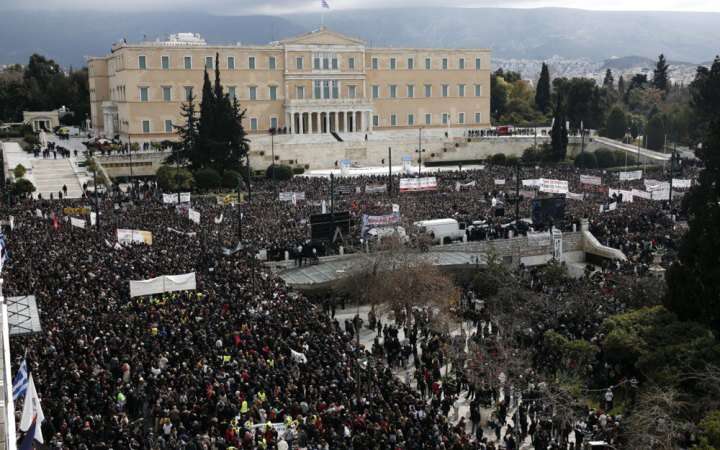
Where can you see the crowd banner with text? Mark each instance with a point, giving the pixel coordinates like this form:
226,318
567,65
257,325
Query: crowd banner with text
418,184
553,186
531,183
629,176
288,196
173,198
589,179
194,216
572,196
80,223
661,194
459,185
375,188
163,284
681,184
125,236
527,194
637,193
173,230
499,182
627,196
75,211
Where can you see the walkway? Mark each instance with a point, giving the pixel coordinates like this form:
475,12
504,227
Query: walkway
633,149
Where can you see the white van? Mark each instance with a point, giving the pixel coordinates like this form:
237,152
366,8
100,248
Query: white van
441,230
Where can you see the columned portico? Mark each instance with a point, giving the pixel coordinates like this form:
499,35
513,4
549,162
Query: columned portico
317,119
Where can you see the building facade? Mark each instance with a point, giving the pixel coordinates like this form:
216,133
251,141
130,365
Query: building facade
319,82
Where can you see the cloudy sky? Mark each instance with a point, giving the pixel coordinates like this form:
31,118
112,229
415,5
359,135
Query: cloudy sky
290,6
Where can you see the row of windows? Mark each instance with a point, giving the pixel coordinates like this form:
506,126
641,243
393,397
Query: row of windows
410,120
392,91
168,127
166,93
320,62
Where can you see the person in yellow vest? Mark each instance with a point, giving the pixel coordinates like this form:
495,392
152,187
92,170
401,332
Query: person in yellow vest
261,397
244,408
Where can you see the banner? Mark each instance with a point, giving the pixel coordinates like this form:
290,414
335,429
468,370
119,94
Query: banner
531,183
93,219
163,284
172,198
637,193
218,220
194,216
125,236
396,208
375,188
80,223
539,239
572,196
418,184
527,194
629,176
589,179
173,230
459,185
499,182
553,186
381,221
231,199
407,165
75,211
288,196
661,194
627,196
681,184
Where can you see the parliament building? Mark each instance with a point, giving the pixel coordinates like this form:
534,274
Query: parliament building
319,82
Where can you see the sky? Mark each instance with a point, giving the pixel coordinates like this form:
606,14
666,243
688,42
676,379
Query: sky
293,6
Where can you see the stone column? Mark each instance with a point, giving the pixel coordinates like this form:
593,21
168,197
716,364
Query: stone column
326,120
301,125
289,122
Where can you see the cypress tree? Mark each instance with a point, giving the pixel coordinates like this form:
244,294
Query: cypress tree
621,85
660,75
542,93
187,132
559,131
609,81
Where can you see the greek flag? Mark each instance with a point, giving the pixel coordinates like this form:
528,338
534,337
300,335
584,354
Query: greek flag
3,251
20,383
324,4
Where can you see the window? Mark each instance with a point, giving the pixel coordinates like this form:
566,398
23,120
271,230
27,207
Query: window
253,124
428,63
376,121
299,63
428,90
271,63
393,91
411,119
410,91
477,64
478,117
168,126
326,64
318,89
273,123
351,63
300,92
146,126
410,64
142,65
461,63
393,64
445,118
273,92
461,90
188,93
335,89
375,64
187,61
316,63
461,118
428,119
232,92
352,91
335,64
251,63
253,92
209,62
376,91
393,120
326,88
444,63
231,63
478,90
143,94
445,90
167,93
165,62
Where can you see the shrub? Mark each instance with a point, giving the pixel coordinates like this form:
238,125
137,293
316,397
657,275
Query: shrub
530,156
586,160
230,179
22,187
171,180
498,159
298,170
605,158
282,172
19,171
207,178
31,139
512,161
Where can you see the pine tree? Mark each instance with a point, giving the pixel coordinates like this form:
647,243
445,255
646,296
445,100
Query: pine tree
542,93
202,152
660,76
187,132
559,131
621,85
609,81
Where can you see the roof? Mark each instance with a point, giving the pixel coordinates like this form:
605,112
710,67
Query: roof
322,36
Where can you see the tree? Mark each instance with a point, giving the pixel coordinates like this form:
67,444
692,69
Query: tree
282,172
605,158
171,179
22,187
584,102
559,132
655,133
655,422
207,178
609,81
660,75
694,279
499,94
616,123
586,160
621,85
542,93
230,179
188,133
19,171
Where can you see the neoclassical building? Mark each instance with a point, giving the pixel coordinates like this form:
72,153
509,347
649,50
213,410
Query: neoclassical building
319,82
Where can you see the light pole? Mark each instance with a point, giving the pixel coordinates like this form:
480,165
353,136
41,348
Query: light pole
272,152
419,152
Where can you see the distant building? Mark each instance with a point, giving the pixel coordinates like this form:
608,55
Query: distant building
42,120
315,83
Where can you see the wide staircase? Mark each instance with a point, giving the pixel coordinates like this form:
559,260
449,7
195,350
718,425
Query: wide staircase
50,175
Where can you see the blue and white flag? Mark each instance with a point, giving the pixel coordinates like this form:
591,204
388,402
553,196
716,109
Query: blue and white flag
29,439
32,412
3,251
324,4
20,383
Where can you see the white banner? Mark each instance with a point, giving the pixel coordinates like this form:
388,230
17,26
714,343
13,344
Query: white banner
418,184
661,194
629,176
395,208
589,179
93,219
627,196
288,196
162,284
681,184
173,198
637,193
553,186
459,185
173,230
80,223
125,236
194,216
531,183
375,188
572,196
656,185
499,182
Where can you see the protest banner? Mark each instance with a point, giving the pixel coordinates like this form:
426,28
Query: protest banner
126,236
591,180
163,284
629,176
418,184
553,186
